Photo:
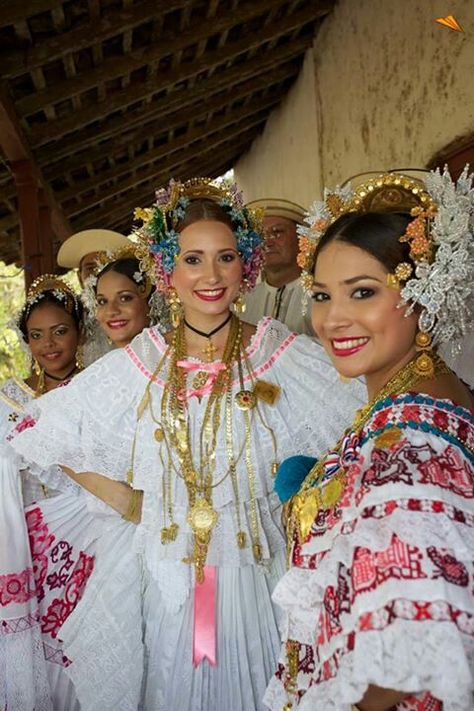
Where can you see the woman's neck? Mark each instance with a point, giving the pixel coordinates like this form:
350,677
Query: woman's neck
377,380
198,326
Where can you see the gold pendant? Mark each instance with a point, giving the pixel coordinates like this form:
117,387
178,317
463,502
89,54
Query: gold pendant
159,434
268,392
200,380
242,539
245,400
388,438
202,518
169,533
332,492
307,506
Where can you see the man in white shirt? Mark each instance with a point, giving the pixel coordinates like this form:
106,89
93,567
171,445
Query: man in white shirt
280,294
80,252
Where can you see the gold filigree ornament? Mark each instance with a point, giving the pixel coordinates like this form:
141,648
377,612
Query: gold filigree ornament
381,192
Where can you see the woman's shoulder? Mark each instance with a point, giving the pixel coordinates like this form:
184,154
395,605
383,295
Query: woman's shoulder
397,417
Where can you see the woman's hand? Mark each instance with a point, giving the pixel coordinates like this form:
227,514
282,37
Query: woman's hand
116,494
376,698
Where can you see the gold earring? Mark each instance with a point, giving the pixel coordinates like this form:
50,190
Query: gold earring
239,304
176,308
80,357
40,384
424,365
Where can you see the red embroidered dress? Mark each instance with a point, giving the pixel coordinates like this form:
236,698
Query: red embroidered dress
382,590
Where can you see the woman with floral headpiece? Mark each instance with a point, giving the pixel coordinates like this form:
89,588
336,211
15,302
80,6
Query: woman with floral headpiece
122,298
379,598
182,435
50,326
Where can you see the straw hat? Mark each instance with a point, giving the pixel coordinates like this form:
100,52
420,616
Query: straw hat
74,248
274,207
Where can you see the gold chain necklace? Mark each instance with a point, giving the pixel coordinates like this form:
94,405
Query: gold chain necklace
173,436
311,498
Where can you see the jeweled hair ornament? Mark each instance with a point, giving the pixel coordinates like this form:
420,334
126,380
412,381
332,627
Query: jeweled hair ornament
160,240
439,280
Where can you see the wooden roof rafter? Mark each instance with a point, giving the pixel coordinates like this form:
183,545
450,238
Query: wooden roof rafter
114,96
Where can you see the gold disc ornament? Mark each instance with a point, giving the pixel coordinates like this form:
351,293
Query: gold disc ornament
245,400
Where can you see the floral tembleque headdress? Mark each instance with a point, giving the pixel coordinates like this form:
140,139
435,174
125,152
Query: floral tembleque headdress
159,237
440,279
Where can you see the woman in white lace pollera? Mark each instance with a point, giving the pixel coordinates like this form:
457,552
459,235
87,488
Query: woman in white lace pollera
49,324
379,597
123,298
182,434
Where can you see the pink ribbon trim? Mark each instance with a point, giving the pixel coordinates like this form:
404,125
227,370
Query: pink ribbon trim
204,632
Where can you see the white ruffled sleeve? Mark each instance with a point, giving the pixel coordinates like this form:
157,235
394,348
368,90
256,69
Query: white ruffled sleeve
88,425
382,590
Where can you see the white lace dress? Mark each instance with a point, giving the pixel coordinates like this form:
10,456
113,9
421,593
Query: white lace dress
31,670
91,427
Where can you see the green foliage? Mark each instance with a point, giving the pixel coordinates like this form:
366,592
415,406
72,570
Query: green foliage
13,359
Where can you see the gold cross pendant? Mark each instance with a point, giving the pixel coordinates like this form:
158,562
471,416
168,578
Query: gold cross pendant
210,351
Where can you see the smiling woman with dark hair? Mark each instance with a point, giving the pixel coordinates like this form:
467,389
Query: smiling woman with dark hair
379,597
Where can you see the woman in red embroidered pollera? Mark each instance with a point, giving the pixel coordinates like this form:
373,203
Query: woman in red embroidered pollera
379,595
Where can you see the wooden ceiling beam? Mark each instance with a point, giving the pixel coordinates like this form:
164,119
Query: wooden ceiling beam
173,121
116,67
217,132
98,29
16,150
13,11
198,165
168,162
225,78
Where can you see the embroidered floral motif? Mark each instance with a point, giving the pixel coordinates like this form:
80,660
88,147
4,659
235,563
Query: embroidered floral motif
55,567
24,424
451,569
17,587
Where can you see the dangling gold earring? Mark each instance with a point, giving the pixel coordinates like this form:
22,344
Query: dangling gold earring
40,384
424,365
80,357
176,308
239,304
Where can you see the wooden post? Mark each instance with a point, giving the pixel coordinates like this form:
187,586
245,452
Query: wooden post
48,262
28,208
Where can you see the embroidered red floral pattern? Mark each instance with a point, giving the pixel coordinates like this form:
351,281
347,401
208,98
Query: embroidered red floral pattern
56,567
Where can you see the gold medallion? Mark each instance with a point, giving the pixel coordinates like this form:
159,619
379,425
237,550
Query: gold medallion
306,509
241,539
332,492
245,400
388,438
159,434
202,518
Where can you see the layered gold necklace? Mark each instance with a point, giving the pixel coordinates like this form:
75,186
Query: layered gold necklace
195,463
315,495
